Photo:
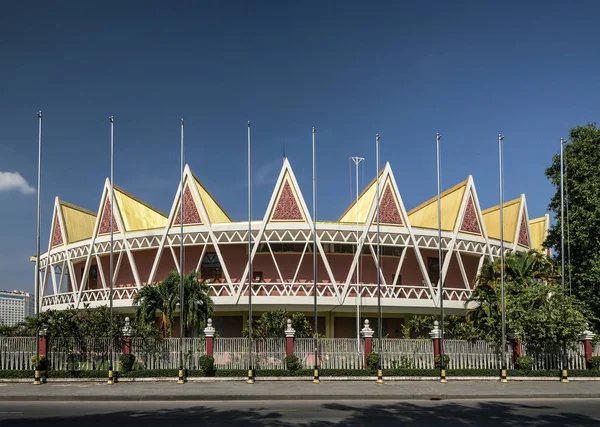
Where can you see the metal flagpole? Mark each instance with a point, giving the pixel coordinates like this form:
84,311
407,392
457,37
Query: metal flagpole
567,219
562,216
315,291
502,296
38,296
181,379
438,137
357,161
379,317
111,256
250,365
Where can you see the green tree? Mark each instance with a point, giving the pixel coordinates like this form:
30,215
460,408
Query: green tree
163,298
582,157
272,324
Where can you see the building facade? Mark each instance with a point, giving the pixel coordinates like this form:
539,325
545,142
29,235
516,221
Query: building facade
15,306
74,271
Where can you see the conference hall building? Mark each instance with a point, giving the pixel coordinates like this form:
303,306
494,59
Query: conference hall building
74,270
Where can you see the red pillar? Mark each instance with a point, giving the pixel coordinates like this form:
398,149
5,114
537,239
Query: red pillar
368,348
126,345
436,347
289,338
586,338
517,350
44,346
209,333
435,335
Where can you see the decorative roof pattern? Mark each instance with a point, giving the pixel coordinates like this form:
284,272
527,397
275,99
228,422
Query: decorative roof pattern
286,208
470,222
388,209
190,210
105,221
523,235
57,238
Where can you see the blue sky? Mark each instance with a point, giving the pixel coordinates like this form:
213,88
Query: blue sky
405,70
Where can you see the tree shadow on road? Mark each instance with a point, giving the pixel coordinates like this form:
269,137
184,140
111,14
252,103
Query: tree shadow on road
488,414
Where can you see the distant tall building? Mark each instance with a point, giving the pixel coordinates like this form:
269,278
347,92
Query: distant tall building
15,306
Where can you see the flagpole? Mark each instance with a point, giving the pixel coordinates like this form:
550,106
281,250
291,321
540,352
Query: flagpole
181,379
357,161
250,342
38,296
111,256
502,292
316,379
379,317
438,137
562,215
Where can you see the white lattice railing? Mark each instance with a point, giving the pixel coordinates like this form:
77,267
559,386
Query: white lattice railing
332,353
405,353
476,355
231,353
596,349
16,352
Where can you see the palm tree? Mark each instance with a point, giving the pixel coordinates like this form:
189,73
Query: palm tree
163,297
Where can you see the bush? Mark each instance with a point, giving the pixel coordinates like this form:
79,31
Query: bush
138,366
292,363
594,362
126,362
438,361
206,364
43,362
525,363
373,361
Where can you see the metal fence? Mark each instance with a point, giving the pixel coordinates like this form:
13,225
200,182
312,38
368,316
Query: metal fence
87,354
16,353
164,354
476,355
332,353
596,349
405,353
552,356
231,353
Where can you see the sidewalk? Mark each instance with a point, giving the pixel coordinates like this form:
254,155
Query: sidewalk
276,390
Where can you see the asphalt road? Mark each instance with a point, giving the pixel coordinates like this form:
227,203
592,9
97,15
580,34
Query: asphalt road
547,412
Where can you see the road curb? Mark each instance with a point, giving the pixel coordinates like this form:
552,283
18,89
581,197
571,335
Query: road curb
281,397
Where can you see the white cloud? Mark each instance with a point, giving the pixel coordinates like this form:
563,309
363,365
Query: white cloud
13,181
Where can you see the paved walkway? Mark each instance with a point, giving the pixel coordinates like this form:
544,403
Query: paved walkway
283,390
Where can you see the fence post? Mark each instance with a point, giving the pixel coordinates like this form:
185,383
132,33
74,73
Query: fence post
435,335
517,346
367,333
43,337
289,338
586,338
209,333
127,332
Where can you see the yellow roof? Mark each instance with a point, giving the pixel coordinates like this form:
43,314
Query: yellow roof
426,214
539,230
79,222
491,219
358,212
138,215
215,212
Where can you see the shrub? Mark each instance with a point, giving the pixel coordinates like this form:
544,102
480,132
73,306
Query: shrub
438,361
594,362
126,362
292,363
206,364
373,361
405,362
525,363
43,362
138,366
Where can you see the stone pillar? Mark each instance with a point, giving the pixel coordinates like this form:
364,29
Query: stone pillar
289,338
517,346
209,333
127,332
367,334
586,338
435,335
43,338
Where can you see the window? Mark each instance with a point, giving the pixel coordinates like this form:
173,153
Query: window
433,265
210,268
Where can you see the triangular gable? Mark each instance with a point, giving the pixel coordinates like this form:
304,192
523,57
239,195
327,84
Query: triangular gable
57,235
426,214
491,219
389,208
105,219
539,231
470,222
79,222
138,215
523,234
287,203
191,215
215,212
358,212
